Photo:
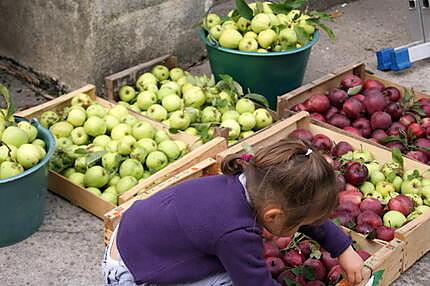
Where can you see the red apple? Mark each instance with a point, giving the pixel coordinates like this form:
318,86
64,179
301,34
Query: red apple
379,134
293,258
396,144
353,108
335,275
350,81
341,148
371,204
380,120
346,219
315,283
407,119
418,155
275,265
395,129
319,103
284,275
353,131
385,233
394,110
375,101
340,180
328,261
425,122
359,96
349,207
337,97
318,116
270,249
416,130
305,248
339,120
370,218
350,196
401,203
302,134
318,268
282,242
356,173
392,93
363,124
299,107
330,112
371,83
364,228
322,142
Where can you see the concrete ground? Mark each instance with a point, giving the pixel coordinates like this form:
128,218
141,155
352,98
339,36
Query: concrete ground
68,247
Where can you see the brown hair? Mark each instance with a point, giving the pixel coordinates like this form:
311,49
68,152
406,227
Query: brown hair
286,172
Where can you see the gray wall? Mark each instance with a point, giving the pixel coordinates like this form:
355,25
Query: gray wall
80,41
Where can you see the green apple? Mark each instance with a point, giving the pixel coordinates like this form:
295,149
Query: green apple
114,180
376,177
125,145
266,38
127,93
61,129
192,131
139,153
157,112
391,167
125,184
29,129
418,201
309,29
171,102
261,50
143,129
131,167
179,120
245,105
110,198
243,24
293,15
262,118
371,166
384,188
94,191
163,92
248,45
234,128
160,72
426,182
160,136
229,24
411,187
394,219
182,146
192,113
40,143
251,35
246,121
410,174
14,136
112,146
135,108
145,79
148,144
288,35
145,99
77,178
170,148
28,155
96,109
120,131
79,136
9,169
425,191
68,172
362,156
210,114
274,21
111,161
230,39
96,177
82,99
81,164
230,114
102,141
124,104
63,142
118,111
211,20
367,188
129,119
283,19
156,160
194,97
4,153
246,134
48,118
260,23
149,87
95,126
397,183
215,32
76,117
186,87
111,122
172,85
176,74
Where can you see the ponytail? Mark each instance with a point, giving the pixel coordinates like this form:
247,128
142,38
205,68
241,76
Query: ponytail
232,165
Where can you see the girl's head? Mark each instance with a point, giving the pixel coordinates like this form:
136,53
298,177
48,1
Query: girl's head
289,185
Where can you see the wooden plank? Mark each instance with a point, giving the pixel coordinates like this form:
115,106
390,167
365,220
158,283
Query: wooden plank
208,150
129,76
205,167
94,204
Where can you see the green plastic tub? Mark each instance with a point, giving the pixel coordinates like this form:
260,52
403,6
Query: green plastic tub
22,197
270,74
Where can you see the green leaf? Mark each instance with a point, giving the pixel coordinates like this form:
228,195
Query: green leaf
260,99
93,158
10,106
397,157
302,37
389,139
244,10
321,15
174,130
290,282
260,7
328,31
286,6
308,273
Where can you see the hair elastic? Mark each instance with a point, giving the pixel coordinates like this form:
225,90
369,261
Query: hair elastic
246,157
309,152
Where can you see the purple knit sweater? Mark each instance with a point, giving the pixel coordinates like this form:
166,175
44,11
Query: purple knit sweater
199,228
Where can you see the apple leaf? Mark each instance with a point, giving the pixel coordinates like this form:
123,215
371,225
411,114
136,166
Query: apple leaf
244,10
10,106
354,90
228,84
258,98
302,37
315,250
397,157
260,7
93,158
306,271
286,6
290,282
173,130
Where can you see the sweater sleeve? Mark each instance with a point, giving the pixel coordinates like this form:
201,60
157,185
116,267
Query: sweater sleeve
240,252
329,236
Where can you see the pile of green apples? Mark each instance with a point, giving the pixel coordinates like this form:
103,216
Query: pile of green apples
20,149
263,27
194,104
107,151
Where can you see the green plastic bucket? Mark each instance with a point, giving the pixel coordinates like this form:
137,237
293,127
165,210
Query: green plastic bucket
270,74
22,197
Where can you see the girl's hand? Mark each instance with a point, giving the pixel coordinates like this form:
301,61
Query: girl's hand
352,264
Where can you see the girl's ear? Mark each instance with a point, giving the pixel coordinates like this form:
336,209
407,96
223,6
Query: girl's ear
273,215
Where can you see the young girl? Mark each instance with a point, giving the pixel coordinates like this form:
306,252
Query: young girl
207,231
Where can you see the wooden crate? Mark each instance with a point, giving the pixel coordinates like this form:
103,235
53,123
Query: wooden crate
111,219
412,234
329,82
114,82
95,205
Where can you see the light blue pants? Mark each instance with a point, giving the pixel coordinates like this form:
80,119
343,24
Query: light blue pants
116,273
